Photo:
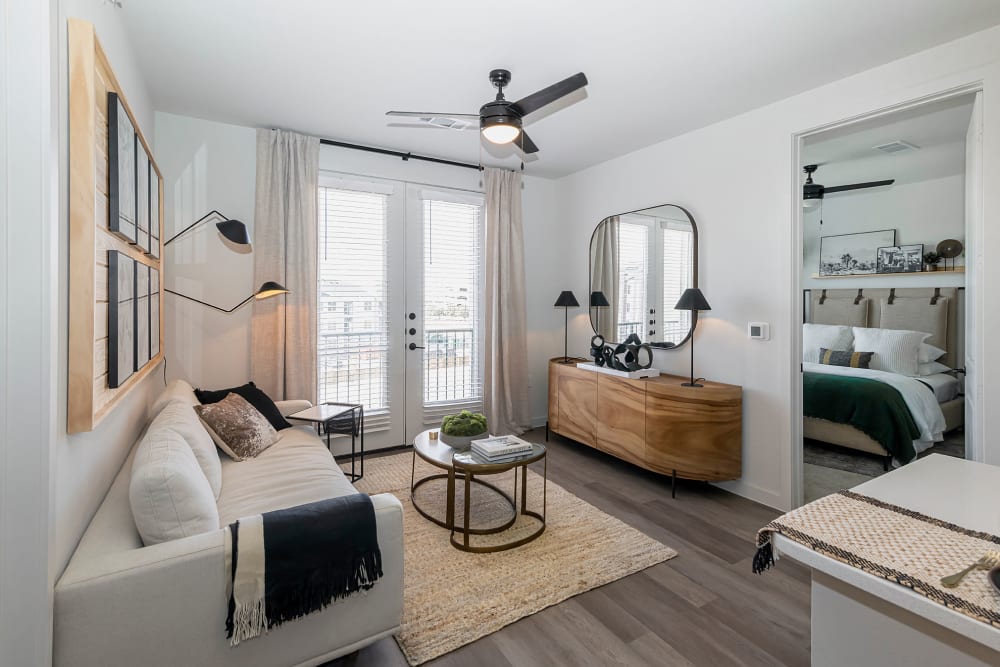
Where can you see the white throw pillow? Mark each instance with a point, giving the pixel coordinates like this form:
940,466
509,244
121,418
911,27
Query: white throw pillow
830,336
168,492
895,351
180,416
932,368
929,353
176,390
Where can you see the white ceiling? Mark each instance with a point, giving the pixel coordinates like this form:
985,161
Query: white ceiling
657,68
847,154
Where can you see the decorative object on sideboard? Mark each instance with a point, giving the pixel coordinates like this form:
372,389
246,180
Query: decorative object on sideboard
901,259
931,260
950,249
566,301
632,359
695,301
853,254
265,291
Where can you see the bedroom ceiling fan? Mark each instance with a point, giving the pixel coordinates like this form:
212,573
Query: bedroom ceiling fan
812,193
500,121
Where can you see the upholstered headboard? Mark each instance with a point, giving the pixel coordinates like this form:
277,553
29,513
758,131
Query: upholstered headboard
934,310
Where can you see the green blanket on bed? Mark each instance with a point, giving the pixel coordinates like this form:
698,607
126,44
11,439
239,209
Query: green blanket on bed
870,406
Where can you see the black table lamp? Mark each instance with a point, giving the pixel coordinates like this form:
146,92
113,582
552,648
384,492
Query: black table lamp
598,301
692,299
566,300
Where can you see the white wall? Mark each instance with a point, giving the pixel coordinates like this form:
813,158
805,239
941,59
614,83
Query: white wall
208,165
921,212
86,463
739,178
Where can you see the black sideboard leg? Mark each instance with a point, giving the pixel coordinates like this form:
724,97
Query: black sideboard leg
546,431
673,484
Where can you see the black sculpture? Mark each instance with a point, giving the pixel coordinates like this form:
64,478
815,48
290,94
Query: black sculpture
624,356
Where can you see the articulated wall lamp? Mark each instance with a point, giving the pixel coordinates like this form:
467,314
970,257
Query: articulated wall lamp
267,290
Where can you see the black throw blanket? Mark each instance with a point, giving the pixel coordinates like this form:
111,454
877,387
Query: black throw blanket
313,554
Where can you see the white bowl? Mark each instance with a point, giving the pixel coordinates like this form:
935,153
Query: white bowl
460,442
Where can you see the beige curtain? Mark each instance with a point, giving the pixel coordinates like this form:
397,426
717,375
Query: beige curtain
505,377
604,277
283,339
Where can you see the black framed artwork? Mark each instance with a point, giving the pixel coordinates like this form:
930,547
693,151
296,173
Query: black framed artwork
154,213
853,254
901,258
142,197
121,318
121,171
140,341
154,312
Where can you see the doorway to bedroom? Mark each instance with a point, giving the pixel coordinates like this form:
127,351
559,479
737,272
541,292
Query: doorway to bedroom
888,221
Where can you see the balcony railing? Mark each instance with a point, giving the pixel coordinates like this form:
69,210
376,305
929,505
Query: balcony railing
354,368
625,329
451,365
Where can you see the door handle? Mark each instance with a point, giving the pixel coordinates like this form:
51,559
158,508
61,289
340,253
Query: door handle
414,346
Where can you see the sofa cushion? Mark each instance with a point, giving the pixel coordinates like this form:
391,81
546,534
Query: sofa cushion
168,492
297,469
179,416
253,395
176,390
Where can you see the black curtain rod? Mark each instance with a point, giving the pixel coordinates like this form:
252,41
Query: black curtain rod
399,154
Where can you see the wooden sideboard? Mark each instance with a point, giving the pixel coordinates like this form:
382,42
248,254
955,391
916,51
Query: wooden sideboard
655,423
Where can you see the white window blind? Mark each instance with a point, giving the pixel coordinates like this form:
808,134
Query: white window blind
353,336
452,311
633,276
676,278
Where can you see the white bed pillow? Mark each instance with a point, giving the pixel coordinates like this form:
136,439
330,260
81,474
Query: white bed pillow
896,351
931,368
830,336
929,353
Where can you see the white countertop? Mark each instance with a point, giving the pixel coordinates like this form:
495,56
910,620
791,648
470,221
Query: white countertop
955,490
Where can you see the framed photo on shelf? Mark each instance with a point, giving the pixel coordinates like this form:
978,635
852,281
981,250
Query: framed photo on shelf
901,258
853,254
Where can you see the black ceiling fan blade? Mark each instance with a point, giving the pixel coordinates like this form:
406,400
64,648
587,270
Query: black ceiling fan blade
428,114
525,143
539,99
857,186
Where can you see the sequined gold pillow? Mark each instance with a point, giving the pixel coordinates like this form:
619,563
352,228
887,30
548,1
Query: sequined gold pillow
237,427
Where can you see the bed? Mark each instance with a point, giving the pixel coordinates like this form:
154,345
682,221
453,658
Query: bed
935,401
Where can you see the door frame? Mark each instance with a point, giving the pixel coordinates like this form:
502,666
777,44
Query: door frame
796,238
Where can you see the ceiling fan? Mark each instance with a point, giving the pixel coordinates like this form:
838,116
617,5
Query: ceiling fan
812,193
500,120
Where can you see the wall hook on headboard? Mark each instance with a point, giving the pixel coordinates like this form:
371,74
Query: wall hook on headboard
822,297
892,295
860,296
937,295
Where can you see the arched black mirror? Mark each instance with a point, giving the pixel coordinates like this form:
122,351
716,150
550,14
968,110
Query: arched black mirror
640,264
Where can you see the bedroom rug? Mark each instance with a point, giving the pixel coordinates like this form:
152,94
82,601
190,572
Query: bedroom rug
452,598
893,543
863,463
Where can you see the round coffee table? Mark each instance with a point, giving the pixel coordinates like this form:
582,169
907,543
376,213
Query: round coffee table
469,465
439,455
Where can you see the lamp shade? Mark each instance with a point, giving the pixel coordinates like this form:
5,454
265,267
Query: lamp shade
566,300
598,300
269,289
692,299
234,230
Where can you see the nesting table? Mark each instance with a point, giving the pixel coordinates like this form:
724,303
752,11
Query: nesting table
339,418
470,467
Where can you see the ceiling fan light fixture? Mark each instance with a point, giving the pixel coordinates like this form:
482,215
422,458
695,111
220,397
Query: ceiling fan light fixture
500,129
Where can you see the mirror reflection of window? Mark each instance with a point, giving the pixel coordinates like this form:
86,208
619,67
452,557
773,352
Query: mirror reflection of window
633,275
677,251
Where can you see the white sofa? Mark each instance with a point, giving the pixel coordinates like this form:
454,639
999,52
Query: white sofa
122,603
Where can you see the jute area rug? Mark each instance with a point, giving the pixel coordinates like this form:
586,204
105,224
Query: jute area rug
452,598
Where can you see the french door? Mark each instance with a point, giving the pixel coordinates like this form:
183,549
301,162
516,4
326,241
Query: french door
400,303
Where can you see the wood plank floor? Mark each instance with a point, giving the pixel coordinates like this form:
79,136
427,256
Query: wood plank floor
703,607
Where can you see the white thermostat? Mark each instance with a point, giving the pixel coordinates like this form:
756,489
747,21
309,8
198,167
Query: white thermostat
759,330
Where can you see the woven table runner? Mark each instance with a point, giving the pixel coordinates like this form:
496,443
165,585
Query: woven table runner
894,543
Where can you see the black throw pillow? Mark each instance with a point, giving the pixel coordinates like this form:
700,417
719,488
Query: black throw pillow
253,396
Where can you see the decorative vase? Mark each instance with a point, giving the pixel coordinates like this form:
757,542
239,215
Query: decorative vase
460,442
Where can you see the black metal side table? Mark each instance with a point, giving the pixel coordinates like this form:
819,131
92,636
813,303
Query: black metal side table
339,419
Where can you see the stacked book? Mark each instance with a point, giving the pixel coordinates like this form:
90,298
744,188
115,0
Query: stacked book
501,448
